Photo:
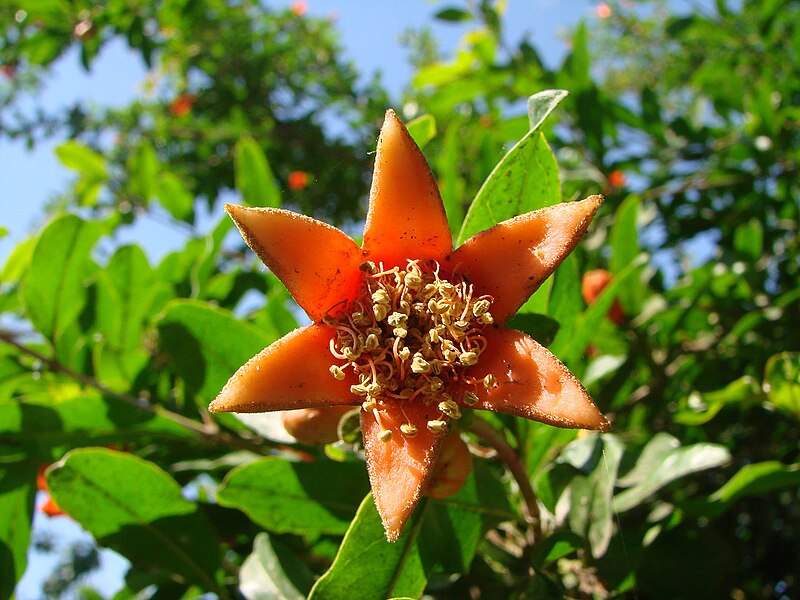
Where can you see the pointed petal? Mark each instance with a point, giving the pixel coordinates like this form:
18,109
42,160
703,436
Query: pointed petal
406,218
510,260
291,373
399,469
316,262
532,383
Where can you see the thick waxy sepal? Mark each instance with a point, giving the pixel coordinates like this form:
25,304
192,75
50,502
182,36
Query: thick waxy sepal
291,373
318,263
510,260
530,382
406,218
399,469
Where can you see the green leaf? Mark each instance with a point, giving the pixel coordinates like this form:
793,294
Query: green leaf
422,129
662,461
88,163
174,196
541,104
757,479
370,568
46,426
524,180
55,292
453,14
625,249
17,493
566,301
699,408
451,183
273,572
748,239
135,508
540,327
206,345
143,168
254,178
301,498
782,382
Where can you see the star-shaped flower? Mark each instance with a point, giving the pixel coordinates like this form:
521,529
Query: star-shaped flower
408,328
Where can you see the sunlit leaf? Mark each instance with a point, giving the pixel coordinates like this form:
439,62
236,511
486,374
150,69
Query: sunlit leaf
273,572
134,507
422,129
319,497
17,493
782,381
55,291
254,178
370,568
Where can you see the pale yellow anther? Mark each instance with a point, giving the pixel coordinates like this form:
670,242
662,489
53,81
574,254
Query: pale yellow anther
385,435
360,319
412,281
380,311
489,381
470,398
436,307
369,404
480,307
437,426
400,332
350,354
450,408
358,390
337,372
371,343
397,318
419,364
435,384
404,354
468,358
408,429
374,389
486,318
381,296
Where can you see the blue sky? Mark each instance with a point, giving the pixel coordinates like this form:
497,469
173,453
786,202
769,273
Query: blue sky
370,31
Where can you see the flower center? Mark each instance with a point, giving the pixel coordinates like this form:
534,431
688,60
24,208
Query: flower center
409,336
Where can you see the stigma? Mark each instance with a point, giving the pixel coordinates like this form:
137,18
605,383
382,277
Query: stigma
408,337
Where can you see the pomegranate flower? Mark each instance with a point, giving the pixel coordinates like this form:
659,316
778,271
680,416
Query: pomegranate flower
406,327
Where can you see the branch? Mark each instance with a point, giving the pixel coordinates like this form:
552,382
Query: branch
208,432
508,455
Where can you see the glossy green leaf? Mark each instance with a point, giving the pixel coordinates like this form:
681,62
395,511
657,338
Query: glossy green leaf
541,104
84,160
757,479
782,382
662,461
254,178
370,568
48,426
55,288
701,408
453,14
540,327
174,197
143,168
625,249
524,180
302,498
451,183
134,507
17,493
422,129
206,345
273,572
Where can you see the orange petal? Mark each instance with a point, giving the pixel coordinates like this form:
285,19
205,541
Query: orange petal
510,260
532,383
406,218
291,373
399,469
317,262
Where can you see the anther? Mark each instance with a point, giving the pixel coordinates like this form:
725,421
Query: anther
470,398
404,354
468,358
368,267
408,429
450,408
381,296
337,372
480,307
358,390
371,343
385,435
437,426
419,364
435,384
489,381
396,318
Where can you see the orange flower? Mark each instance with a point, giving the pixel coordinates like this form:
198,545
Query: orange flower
298,180
603,10
300,8
408,328
617,178
182,105
592,284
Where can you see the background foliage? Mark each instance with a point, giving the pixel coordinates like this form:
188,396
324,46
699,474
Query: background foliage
688,123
